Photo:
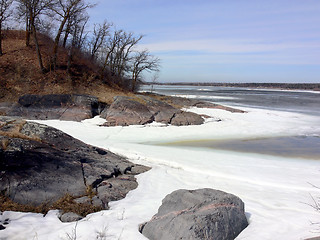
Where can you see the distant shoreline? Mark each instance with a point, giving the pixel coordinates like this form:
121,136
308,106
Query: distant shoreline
285,86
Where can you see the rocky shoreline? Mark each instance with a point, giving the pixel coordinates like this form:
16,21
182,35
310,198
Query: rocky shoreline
124,111
41,166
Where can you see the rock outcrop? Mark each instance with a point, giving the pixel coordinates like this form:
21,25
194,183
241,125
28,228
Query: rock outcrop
141,110
197,214
40,164
64,107
124,111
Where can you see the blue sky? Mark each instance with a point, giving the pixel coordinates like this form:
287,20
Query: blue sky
224,40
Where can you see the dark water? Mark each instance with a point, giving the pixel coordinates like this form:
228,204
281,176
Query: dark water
307,102
298,147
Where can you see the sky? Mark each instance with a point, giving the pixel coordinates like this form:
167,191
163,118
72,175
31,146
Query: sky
224,40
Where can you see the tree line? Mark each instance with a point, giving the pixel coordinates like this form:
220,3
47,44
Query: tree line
114,51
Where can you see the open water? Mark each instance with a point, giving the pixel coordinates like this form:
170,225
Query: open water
306,102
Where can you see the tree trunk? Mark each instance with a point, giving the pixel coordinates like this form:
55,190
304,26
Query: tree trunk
34,33
104,65
1,53
27,37
69,60
134,79
56,44
27,32
65,38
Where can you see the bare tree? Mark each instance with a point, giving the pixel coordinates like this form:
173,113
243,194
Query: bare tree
33,9
82,34
119,48
67,32
109,50
4,14
71,23
143,61
78,37
23,12
66,10
128,41
100,32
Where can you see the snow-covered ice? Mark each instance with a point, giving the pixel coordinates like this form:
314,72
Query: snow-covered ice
276,190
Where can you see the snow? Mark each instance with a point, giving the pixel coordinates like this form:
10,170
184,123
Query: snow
202,96
276,190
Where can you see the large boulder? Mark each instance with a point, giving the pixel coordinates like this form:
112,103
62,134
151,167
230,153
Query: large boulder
126,111
40,164
197,214
186,118
64,107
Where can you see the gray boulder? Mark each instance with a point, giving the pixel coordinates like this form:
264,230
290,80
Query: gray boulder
70,217
186,118
197,214
126,111
40,164
70,107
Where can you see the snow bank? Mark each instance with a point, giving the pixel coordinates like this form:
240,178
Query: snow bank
276,190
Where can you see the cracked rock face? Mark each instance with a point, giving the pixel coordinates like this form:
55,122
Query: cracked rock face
41,164
197,214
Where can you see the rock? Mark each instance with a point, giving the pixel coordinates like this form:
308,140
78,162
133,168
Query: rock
137,169
141,110
64,107
70,217
41,164
82,200
113,189
5,107
162,111
313,238
197,214
3,222
126,111
186,118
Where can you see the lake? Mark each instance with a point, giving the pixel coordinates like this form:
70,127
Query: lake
306,102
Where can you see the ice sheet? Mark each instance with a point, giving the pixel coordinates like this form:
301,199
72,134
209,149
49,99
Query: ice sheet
276,190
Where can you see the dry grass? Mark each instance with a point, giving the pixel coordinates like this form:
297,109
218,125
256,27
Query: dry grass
65,204
20,74
90,192
14,134
5,143
14,131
